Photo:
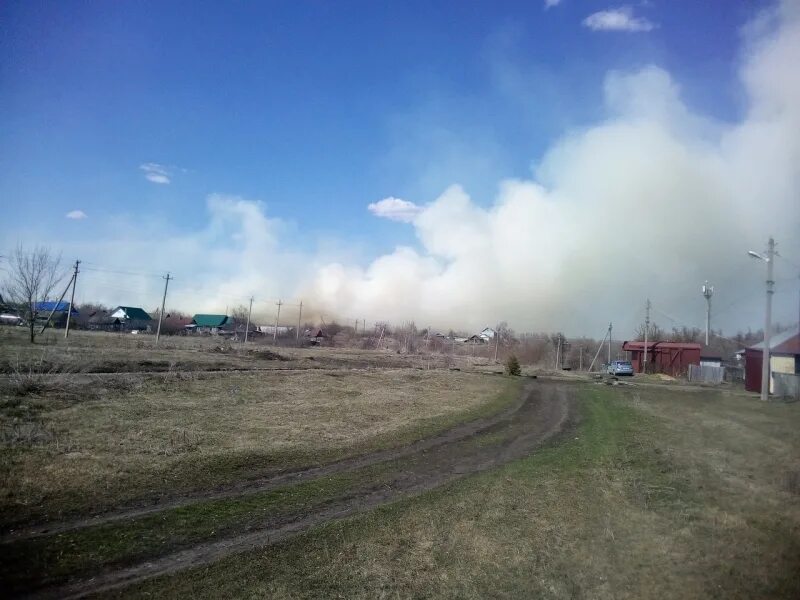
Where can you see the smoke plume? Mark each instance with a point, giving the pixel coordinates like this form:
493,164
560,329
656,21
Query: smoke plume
648,203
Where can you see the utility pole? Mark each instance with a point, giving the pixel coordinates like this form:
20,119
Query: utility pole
496,343
72,298
708,291
646,328
277,319
299,317
609,343
52,312
765,370
600,347
580,359
558,350
163,304
247,327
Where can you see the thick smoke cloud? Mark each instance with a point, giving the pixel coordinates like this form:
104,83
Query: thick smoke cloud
649,203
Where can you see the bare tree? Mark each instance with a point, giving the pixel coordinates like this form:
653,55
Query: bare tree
654,333
32,275
239,314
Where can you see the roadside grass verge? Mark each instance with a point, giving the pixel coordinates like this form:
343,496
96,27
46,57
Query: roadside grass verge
161,439
635,506
30,564
26,564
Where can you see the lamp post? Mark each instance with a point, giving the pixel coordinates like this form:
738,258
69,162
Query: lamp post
765,370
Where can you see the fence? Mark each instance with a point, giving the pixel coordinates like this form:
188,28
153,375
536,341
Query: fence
786,385
706,374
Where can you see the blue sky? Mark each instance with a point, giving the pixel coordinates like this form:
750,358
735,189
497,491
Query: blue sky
313,108
318,109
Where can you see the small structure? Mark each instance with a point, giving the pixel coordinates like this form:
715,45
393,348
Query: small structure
174,324
131,318
670,358
283,330
9,318
215,324
710,361
316,336
487,334
784,360
59,310
101,320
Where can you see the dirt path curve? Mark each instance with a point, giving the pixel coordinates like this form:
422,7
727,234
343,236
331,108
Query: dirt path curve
544,411
272,479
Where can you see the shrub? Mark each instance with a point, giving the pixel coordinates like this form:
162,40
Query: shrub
512,366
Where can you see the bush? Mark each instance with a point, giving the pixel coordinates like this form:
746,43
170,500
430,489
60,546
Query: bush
512,366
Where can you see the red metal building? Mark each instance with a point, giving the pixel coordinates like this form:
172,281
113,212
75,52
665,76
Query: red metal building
671,358
784,354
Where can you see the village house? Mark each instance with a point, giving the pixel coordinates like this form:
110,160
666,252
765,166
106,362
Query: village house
131,318
214,324
59,311
784,364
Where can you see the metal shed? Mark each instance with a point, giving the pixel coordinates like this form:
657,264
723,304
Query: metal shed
784,357
671,358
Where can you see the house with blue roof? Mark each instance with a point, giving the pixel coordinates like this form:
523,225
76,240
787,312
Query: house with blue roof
59,310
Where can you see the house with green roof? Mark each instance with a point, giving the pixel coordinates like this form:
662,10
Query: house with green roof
211,324
130,318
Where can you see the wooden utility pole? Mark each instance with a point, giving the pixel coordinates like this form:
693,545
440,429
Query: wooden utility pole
277,320
72,298
299,318
610,327
496,343
765,367
646,327
600,347
558,350
247,327
163,304
52,312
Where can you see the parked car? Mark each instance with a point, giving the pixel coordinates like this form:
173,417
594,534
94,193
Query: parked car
620,367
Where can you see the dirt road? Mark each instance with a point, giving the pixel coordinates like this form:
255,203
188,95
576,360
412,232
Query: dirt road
544,411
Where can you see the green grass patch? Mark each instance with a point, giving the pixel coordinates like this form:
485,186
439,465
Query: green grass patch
631,507
159,439
53,558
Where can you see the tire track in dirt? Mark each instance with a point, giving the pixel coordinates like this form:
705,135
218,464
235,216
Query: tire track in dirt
274,479
545,411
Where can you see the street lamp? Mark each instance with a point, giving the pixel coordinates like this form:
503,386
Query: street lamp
765,370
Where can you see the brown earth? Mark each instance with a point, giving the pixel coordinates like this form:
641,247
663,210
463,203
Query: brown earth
544,411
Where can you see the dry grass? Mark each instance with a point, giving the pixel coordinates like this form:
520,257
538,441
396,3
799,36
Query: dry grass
169,433
100,352
668,494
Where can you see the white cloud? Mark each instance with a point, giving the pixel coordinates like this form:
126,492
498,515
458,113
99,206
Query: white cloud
551,3
76,214
617,19
156,173
649,202
395,209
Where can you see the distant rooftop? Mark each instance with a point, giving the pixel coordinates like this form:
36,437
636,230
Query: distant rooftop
785,342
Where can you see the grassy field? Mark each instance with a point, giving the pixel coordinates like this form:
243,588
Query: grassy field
663,494
77,443
664,490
